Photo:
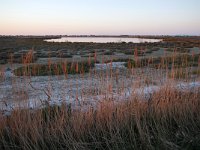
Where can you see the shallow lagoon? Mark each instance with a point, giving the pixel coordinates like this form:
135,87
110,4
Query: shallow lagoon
103,40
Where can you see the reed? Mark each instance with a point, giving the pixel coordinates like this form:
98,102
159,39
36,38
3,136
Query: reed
168,119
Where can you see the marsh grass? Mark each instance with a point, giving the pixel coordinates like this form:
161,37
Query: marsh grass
169,62
54,69
168,119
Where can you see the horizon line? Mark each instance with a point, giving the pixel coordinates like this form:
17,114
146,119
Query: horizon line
98,35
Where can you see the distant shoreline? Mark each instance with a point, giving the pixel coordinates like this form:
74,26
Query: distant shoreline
102,36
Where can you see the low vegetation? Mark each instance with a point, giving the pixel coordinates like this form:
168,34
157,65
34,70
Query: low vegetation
54,69
17,44
170,62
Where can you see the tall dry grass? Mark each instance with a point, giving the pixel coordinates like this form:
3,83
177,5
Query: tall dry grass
169,119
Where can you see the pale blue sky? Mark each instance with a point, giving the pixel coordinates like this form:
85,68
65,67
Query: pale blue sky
100,17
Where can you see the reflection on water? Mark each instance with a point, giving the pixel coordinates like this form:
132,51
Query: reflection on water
103,40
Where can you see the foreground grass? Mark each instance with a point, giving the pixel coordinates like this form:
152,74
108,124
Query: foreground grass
168,120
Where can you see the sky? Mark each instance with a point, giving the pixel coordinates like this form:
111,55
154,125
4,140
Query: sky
100,17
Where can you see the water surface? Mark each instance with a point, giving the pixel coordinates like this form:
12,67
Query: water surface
103,40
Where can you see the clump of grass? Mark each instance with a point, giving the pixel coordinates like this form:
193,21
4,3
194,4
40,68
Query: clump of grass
136,63
54,69
131,52
117,60
109,53
179,74
169,62
196,72
179,50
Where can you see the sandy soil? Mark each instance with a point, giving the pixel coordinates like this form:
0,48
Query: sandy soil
105,81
